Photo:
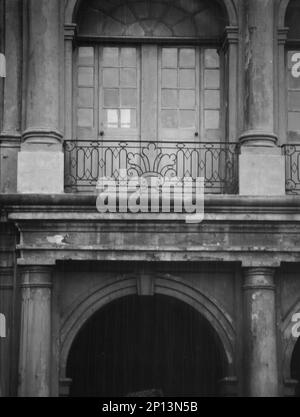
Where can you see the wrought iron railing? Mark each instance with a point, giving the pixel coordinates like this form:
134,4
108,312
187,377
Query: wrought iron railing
87,161
292,168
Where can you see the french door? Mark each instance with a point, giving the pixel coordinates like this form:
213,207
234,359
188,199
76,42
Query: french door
148,93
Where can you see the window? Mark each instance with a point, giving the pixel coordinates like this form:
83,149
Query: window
107,91
117,94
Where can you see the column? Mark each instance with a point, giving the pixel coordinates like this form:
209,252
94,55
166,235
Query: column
10,137
261,162
35,339
40,162
260,346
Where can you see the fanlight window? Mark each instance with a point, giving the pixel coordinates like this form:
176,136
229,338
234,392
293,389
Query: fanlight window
144,18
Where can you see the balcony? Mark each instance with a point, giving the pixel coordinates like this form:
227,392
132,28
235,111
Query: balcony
87,161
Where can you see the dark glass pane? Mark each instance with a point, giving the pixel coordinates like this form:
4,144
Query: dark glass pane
169,119
169,78
85,77
187,58
212,99
212,59
187,78
187,99
85,55
212,79
128,57
111,98
85,97
187,118
169,57
110,57
212,119
110,77
294,121
169,98
294,100
85,117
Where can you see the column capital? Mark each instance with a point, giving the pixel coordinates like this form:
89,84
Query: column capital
259,278
70,31
34,276
282,35
230,37
229,386
64,387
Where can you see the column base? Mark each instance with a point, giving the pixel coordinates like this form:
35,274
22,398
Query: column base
290,387
40,172
228,387
64,387
261,171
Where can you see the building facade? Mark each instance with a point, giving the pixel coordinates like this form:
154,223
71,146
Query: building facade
110,304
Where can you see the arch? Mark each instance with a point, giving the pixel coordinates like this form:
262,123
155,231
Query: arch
72,6
289,341
282,12
291,21
91,302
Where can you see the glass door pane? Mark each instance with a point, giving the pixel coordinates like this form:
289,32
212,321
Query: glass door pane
119,108
212,96
86,81
179,94
119,98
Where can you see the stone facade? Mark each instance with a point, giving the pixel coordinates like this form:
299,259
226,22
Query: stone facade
61,261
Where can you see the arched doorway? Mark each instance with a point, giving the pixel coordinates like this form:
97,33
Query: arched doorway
295,367
137,344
